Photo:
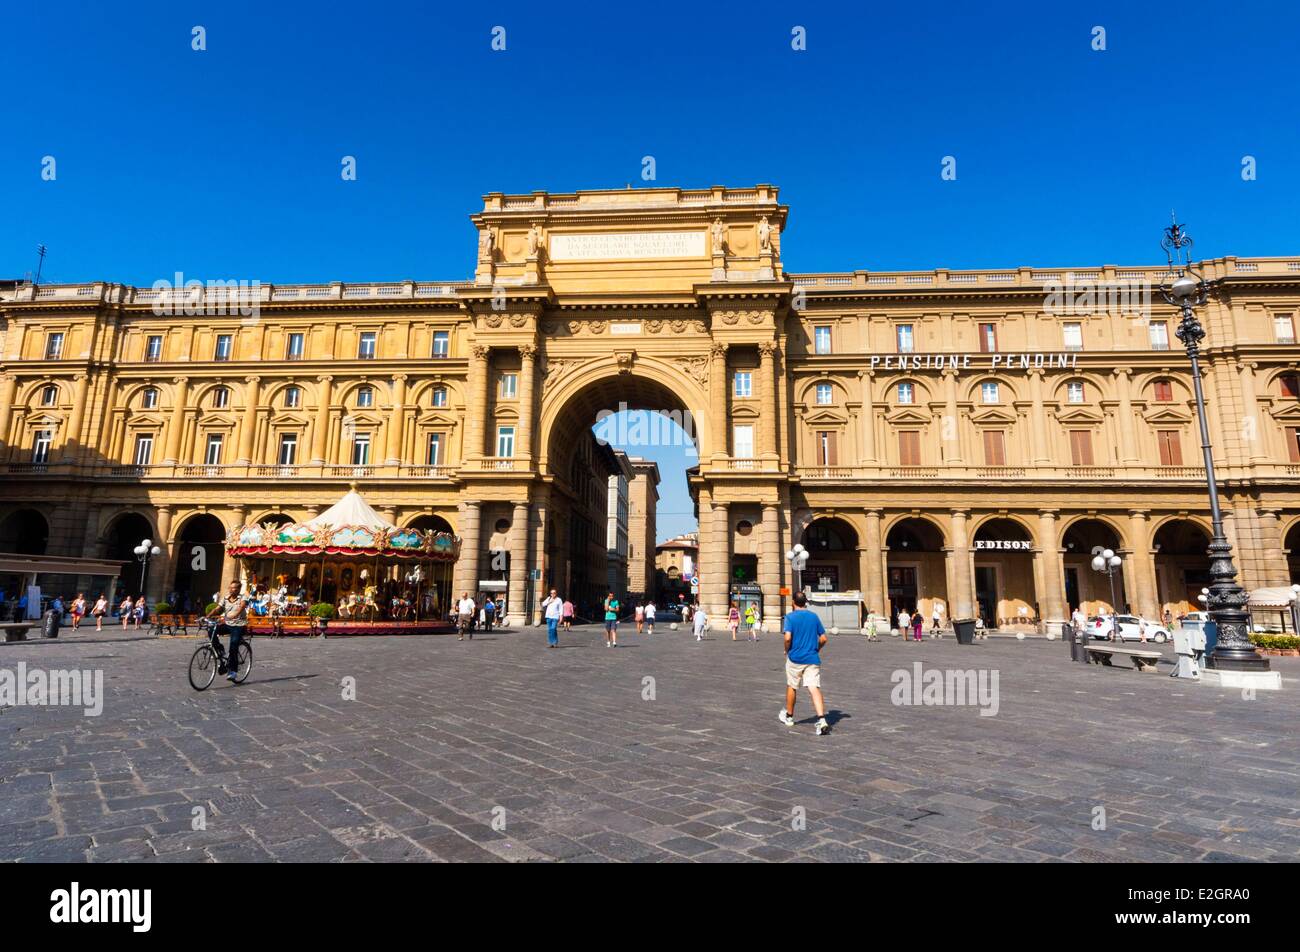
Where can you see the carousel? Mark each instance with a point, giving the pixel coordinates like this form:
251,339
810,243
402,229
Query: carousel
347,571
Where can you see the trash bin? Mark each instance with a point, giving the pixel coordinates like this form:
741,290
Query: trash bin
1078,644
964,628
50,624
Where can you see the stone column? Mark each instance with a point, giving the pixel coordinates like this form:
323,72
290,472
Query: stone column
541,506
950,426
721,574
517,540
73,443
321,426
477,382
1256,449
718,385
1129,452
1144,596
248,428
160,568
1274,569
396,421
769,567
1039,444
962,584
465,577
871,565
1052,598
865,381
176,425
767,426
527,398
8,384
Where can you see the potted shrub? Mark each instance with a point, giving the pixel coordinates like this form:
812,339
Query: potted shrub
211,607
322,612
162,608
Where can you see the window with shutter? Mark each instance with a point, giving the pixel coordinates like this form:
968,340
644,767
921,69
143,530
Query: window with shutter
909,448
995,448
1081,447
1293,443
827,450
1171,452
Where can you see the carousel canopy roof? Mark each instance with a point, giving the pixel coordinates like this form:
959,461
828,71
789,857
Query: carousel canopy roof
351,510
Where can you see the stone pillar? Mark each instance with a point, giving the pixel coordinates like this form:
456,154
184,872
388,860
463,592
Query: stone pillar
176,425
465,577
1052,598
718,386
865,380
962,583
1274,569
871,565
8,385
767,426
1256,449
321,426
769,567
73,443
477,382
527,398
517,541
248,428
719,599
160,568
1129,452
541,506
950,428
396,421
1039,443
1143,595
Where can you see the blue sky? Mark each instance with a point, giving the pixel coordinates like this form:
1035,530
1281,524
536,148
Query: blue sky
225,163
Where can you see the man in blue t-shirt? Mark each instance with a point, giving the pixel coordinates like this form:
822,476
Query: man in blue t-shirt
804,639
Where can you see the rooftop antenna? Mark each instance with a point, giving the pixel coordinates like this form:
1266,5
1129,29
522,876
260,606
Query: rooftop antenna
40,253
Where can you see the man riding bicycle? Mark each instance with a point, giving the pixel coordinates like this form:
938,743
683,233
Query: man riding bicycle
233,610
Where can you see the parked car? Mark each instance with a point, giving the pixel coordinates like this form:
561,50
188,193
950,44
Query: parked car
1130,628
1194,621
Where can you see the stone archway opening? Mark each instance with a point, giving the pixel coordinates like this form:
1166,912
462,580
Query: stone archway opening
25,532
200,556
832,545
1085,588
126,532
1005,591
1182,566
1291,545
916,575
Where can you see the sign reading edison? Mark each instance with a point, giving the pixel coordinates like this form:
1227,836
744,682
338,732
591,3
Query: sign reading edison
627,245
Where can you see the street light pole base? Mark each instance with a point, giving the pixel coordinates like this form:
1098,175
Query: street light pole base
1238,660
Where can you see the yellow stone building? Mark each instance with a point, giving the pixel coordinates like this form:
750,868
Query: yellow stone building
961,436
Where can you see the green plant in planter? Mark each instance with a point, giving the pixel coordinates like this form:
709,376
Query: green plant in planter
321,611
1275,642
212,606
162,608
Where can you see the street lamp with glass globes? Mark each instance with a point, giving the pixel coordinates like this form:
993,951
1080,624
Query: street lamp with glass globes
144,552
1108,563
798,558
1187,290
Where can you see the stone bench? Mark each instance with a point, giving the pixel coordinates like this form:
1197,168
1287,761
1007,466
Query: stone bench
1142,660
17,630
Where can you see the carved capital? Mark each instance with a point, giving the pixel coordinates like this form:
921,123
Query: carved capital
527,351
768,348
480,351
718,349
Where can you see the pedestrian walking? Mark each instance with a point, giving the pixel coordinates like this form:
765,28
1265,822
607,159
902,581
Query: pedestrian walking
700,622
640,618
935,620
489,613
733,619
126,610
751,621
918,625
78,610
904,622
566,615
611,621
804,639
553,611
465,617
650,618
99,610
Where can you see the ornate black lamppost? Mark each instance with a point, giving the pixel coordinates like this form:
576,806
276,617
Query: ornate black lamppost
1187,290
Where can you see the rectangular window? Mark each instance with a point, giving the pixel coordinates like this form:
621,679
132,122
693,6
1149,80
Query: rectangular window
1293,443
1081,447
905,339
441,344
1074,392
988,339
294,348
440,397
222,351
1072,336
435,449
1164,391
365,397
505,442
509,386
53,345
361,449
220,398
822,340
909,448
906,393
989,392
212,456
827,448
50,396
150,400
366,346
995,448
292,397
144,449
288,449
1159,331
153,348
1283,328
743,383
825,395
1171,452
41,448
742,441
1289,385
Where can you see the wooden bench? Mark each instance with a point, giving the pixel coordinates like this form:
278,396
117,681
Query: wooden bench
17,630
1142,660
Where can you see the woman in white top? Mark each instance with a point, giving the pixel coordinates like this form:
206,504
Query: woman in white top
125,610
649,612
99,611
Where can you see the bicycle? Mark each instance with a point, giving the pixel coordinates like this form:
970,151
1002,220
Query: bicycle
209,659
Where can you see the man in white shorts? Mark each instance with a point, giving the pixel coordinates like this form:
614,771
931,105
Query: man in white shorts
804,638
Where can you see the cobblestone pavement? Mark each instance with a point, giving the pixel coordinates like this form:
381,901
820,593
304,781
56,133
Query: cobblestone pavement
585,760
